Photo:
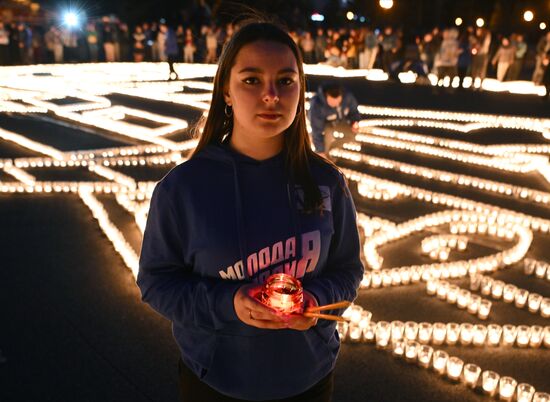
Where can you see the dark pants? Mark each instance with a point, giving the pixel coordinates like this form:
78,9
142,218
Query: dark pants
194,390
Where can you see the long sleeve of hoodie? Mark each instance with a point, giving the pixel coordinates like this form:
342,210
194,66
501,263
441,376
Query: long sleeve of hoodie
166,280
317,118
344,270
353,114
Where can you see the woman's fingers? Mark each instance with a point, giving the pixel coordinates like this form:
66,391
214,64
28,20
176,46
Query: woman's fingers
252,312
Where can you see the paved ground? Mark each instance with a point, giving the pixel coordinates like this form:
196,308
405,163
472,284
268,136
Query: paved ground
72,327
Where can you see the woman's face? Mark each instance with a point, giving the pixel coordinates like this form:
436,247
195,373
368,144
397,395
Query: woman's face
263,90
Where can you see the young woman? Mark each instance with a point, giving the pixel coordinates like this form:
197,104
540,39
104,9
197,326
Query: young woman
252,200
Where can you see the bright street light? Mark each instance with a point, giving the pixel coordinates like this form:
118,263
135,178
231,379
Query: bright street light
349,15
71,19
480,22
542,26
528,16
386,4
458,21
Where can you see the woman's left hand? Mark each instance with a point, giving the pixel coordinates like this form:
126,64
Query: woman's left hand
298,321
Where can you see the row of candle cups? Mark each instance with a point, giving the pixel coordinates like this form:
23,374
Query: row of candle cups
455,369
439,247
384,333
540,269
463,298
510,293
412,274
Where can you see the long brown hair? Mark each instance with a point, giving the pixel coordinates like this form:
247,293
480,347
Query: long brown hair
296,138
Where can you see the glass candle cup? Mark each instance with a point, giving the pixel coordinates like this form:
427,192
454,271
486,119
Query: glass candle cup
453,333
471,374
533,302
466,333
537,336
353,313
355,332
523,336
541,397
439,361
546,336
486,284
489,382
507,388
480,335
399,348
484,309
411,350
369,333
397,328
497,289
454,368
439,331
424,332
509,333
545,307
524,392
342,328
509,293
452,294
383,333
425,353
521,298
494,333
463,298
411,330
442,289
283,293
473,305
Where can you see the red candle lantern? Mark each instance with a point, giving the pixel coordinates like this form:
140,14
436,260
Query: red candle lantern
283,293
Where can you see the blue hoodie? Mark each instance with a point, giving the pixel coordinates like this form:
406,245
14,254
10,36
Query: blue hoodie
221,220
320,114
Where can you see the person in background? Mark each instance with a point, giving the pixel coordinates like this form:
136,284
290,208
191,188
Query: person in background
180,36
370,50
332,107
503,58
211,45
189,49
252,200
109,43
480,54
543,46
171,50
389,48
546,75
519,44
307,46
320,46
139,44
4,45
161,42
92,41
447,57
124,42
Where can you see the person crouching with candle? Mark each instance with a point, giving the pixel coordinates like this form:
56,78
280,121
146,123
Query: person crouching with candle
252,200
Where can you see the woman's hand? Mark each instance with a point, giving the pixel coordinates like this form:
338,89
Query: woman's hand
298,321
252,312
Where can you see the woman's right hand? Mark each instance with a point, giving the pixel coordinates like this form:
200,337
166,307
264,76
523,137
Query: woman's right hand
252,312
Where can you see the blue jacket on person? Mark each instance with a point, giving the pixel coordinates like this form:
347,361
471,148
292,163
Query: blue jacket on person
222,220
321,114
171,44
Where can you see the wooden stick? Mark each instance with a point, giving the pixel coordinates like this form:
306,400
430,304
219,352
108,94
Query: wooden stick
324,316
333,306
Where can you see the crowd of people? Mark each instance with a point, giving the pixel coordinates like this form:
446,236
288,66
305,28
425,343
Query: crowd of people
444,52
